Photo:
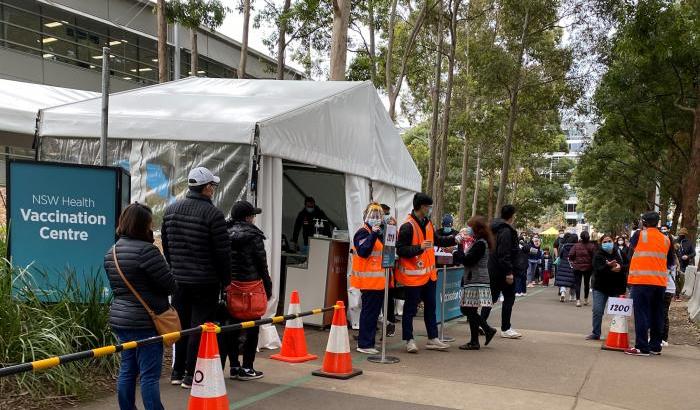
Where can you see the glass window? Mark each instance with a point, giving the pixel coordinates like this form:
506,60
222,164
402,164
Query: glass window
22,28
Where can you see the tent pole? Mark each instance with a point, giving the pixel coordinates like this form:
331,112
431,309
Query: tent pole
105,105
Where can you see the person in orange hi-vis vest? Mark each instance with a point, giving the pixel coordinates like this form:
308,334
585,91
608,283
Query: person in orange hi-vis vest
652,256
417,272
367,273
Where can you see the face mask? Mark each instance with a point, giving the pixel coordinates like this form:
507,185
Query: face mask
447,229
607,247
429,212
665,232
374,222
470,231
309,210
561,235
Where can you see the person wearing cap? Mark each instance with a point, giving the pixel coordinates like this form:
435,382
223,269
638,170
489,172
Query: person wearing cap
248,264
306,222
416,270
197,247
447,224
652,256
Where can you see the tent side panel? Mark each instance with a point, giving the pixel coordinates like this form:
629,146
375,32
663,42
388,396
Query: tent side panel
357,198
159,168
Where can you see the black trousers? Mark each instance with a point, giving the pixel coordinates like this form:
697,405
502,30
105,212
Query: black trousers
196,305
229,345
586,277
475,322
668,297
499,286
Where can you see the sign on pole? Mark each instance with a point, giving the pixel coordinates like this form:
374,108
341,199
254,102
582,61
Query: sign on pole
62,220
389,252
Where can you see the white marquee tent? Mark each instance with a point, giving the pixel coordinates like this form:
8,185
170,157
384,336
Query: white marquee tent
243,130
20,103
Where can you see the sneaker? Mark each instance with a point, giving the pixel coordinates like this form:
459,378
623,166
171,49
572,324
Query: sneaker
562,297
592,337
411,346
585,302
249,374
233,373
636,352
664,343
470,346
436,344
654,353
578,303
369,350
531,285
500,298
186,382
489,335
390,330
176,377
510,334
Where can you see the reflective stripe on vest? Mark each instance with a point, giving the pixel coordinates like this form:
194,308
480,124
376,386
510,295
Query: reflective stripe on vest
648,265
416,271
367,273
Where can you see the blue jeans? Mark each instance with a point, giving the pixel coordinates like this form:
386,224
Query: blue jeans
146,361
520,283
532,270
600,300
648,316
372,303
413,295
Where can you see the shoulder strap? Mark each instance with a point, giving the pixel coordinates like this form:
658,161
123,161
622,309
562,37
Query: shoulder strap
128,284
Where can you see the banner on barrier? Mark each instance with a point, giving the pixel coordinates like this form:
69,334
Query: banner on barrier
453,293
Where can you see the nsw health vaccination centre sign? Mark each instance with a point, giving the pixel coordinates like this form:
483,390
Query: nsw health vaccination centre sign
62,220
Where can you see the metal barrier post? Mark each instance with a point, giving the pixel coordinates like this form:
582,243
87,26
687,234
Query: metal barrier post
383,358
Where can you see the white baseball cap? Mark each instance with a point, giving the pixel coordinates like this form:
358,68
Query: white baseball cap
201,176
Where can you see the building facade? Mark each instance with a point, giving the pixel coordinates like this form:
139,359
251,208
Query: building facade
59,42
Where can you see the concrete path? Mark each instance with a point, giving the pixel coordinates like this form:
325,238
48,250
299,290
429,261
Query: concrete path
552,367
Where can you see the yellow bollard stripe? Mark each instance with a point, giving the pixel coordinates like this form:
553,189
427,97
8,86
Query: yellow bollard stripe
103,351
130,345
278,319
46,363
171,337
317,311
248,325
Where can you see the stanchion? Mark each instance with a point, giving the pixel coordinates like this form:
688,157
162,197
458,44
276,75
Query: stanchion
444,338
383,358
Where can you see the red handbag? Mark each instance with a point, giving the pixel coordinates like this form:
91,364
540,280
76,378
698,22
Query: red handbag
246,300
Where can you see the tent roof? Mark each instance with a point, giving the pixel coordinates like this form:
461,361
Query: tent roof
20,102
337,125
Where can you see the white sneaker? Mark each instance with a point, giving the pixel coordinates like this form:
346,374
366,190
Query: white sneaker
436,344
370,350
562,297
500,298
411,346
511,334
664,343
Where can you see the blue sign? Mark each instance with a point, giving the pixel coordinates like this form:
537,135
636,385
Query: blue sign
453,293
62,220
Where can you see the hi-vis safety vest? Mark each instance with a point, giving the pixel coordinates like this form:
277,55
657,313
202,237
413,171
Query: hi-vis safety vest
648,265
367,273
416,271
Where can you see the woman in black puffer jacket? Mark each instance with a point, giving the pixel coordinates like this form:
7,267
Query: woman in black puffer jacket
145,268
248,264
566,279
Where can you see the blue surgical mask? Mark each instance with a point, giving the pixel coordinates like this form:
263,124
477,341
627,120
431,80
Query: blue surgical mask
309,210
374,222
447,229
607,247
430,212
470,231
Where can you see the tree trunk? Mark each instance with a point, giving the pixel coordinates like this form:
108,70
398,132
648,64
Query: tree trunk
194,67
162,42
462,215
244,43
676,217
445,129
512,116
477,181
372,45
282,40
339,39
663,207
433,143
489,209
691,186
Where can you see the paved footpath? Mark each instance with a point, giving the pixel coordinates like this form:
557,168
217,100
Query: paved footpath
552,367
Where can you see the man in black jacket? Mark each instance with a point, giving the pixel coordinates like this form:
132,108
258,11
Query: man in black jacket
306,222
503,265
197,246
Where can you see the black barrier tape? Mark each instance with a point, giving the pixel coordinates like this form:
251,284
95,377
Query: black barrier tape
106,350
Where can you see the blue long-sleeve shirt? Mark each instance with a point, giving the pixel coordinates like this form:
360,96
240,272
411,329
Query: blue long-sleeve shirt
364,241
670,257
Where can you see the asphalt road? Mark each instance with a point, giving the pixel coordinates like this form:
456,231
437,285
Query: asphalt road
551,367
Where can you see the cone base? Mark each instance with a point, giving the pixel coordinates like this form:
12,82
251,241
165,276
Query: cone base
290,359
215,403
616,342
341,376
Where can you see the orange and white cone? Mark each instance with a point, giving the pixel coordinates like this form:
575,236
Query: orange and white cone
208,388
337,363
618,338
294,342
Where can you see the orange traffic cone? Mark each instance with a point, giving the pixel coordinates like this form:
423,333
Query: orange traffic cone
294,342
618,338
208,388
337,363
